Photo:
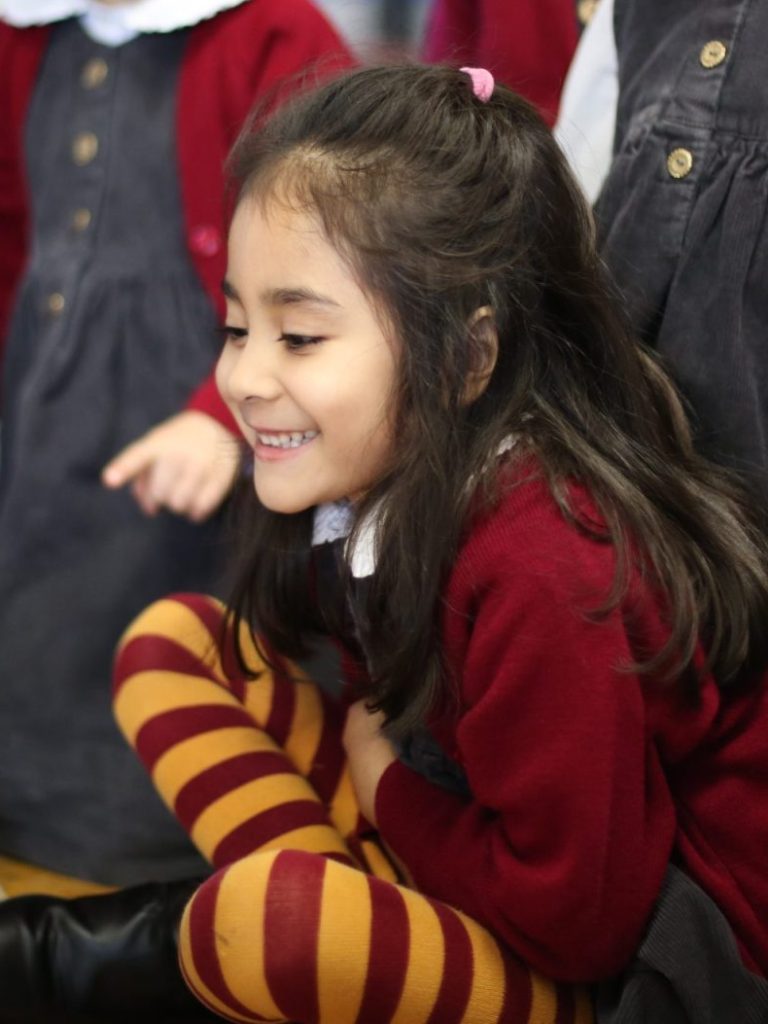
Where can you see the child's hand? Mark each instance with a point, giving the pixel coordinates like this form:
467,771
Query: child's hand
369,754
187,464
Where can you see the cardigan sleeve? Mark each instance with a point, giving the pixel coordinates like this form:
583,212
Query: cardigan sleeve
562,848
206,399
21,51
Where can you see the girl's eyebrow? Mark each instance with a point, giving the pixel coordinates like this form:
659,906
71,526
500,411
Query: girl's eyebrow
284,296
295,296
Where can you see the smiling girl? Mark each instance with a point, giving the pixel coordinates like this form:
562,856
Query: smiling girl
548,762
307,366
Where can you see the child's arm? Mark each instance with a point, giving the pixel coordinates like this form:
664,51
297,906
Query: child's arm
563,848
187,464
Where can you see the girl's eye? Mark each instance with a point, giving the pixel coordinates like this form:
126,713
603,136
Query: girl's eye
295,342
229,334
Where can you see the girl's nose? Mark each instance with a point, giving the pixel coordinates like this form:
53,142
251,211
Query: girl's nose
249,373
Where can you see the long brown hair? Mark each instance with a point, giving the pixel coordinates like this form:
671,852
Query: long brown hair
443,205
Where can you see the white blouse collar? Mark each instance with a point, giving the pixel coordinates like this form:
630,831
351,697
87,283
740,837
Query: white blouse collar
114,26
333,521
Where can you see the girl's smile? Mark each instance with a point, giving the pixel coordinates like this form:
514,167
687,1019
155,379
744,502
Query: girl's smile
284,440
271,446
306,368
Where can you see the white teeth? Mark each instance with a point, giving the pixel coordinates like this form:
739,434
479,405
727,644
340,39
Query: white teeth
286,440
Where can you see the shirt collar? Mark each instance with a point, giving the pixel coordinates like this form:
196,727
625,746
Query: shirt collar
333,521
115,25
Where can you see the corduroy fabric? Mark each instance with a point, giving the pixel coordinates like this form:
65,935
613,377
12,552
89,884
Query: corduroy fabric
230,61
687,970
688,248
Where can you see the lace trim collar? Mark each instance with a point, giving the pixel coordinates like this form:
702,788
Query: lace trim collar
114,26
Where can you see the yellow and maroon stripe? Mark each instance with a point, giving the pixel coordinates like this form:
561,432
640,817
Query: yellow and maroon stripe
286,934
232,786
292,936
189,634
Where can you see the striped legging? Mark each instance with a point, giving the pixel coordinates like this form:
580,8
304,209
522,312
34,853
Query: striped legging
306,918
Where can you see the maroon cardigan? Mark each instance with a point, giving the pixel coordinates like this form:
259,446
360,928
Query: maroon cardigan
231,60
586,777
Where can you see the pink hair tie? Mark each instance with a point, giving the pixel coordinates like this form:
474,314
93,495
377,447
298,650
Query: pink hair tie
482,82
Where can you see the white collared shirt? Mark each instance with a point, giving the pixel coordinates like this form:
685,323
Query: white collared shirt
586,123
114,26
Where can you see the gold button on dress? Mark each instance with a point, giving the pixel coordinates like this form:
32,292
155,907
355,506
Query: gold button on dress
85,146
56,303
680,163
81,219
94,73
712,54
585,10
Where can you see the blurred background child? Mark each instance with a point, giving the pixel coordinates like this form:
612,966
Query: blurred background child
664,119
117,120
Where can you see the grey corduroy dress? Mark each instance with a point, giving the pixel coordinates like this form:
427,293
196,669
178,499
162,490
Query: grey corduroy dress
112,331
683,214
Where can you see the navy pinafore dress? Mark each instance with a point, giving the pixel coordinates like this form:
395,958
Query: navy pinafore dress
111,332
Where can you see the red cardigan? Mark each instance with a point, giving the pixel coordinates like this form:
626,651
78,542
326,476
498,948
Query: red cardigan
527,44
586,779
230,61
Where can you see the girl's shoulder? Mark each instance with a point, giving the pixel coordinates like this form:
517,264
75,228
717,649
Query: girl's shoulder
525,556
256,50
274,24
526,529
20,43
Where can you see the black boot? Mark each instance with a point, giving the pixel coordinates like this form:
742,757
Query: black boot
96,959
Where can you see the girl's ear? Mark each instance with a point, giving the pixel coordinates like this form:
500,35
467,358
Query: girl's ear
484,342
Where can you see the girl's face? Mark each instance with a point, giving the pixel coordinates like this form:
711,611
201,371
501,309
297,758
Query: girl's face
306,368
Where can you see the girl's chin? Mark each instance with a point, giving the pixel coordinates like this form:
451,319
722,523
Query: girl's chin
282,504
290,505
